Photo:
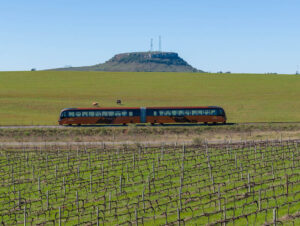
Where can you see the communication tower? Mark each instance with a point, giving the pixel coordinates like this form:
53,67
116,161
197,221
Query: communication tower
159,45
151,45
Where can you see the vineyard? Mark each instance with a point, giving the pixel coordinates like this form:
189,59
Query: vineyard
227,184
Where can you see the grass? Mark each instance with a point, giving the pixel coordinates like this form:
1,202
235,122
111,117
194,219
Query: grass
36,98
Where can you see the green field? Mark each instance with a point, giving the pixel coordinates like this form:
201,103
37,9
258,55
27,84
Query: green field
241,184
36,98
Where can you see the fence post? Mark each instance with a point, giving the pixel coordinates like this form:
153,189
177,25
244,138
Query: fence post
109,198
55,172
178,215
78,172
219,197
224,213
39,184
64,185
59,213
235,160
143,198
259,201
274,216
136,216
91,185
249,185
120,183
153,169
77,201
273,175
25,215
287,184
180,203
47,195
97,216
19,201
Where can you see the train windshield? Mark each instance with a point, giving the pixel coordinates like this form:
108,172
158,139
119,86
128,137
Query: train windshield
221,112
63,114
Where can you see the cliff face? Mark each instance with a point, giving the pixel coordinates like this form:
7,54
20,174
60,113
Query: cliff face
141,61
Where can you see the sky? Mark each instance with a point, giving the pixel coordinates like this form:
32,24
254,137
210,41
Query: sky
241,36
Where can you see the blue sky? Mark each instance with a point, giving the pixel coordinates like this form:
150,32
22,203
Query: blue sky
256,36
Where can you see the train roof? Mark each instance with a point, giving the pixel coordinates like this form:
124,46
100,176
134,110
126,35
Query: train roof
137,108
186,107
111,108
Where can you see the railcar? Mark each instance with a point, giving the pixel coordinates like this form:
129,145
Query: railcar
153,115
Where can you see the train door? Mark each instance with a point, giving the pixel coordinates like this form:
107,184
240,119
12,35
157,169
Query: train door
143,115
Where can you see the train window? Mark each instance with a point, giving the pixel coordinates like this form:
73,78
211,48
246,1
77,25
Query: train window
98,113
200,112
124,113
187,112
111,113
155,113
117,113
168,113
63,114
84,114
91,113
78,113
161,113
104,113
194,112
130,113
213,112
71,114
174,112
180,112
221,112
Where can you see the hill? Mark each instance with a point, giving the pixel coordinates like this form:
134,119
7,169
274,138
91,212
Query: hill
140,62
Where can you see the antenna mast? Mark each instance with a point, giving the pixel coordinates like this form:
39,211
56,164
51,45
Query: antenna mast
151,45
159,47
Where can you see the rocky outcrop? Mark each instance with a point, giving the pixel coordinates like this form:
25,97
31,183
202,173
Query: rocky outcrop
141,62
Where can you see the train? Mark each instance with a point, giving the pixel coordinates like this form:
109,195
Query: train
137,115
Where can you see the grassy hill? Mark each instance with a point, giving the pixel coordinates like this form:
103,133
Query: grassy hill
37,97
140,62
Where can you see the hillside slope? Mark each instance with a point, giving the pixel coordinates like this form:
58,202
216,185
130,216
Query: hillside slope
140,62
